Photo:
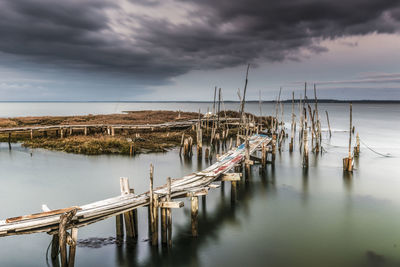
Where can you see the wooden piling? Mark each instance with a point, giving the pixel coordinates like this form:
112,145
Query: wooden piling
72,248
163,226
65,219
153,210
129,216
169,214
119,227
55,246
194,214
348,162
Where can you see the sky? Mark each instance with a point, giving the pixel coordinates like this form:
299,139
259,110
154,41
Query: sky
139,50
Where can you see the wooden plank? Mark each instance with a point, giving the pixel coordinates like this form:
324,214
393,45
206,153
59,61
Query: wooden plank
229,177
171,204
42,214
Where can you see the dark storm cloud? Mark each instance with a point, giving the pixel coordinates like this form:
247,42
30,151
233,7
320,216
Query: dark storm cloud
77,33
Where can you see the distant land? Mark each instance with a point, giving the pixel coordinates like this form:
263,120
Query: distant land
225,101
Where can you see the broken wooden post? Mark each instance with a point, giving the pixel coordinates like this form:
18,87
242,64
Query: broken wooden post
65,219
129,216
194,214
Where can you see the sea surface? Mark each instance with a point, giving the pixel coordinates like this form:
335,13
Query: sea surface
284,217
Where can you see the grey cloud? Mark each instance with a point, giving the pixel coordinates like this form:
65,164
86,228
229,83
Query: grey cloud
76,34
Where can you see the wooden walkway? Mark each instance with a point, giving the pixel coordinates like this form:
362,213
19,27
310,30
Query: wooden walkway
195,183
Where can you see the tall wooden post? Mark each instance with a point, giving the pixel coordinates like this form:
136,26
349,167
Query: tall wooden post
292,126
348,162
153,210
169,215
72,248
305,141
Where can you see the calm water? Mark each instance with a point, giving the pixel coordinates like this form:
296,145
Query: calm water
285,217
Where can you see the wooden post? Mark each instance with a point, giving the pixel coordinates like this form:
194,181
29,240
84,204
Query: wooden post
357,147
85,131
31,134
329,126
247,156
112,131
263,155
129,216
72,248
155,220
153,210
348,162
292,126
273,148
61,132
169,215
62,232
163,226
55,246
119,227
305,141
194,214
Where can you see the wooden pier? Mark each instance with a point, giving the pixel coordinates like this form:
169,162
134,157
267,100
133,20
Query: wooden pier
57,222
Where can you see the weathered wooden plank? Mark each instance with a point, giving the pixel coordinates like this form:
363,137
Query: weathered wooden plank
171,204
39,215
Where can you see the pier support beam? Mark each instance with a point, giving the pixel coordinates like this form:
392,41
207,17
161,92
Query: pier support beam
194,214
65,219
130,217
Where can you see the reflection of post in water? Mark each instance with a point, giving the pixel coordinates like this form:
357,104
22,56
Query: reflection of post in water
348,181
305,184
204,206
